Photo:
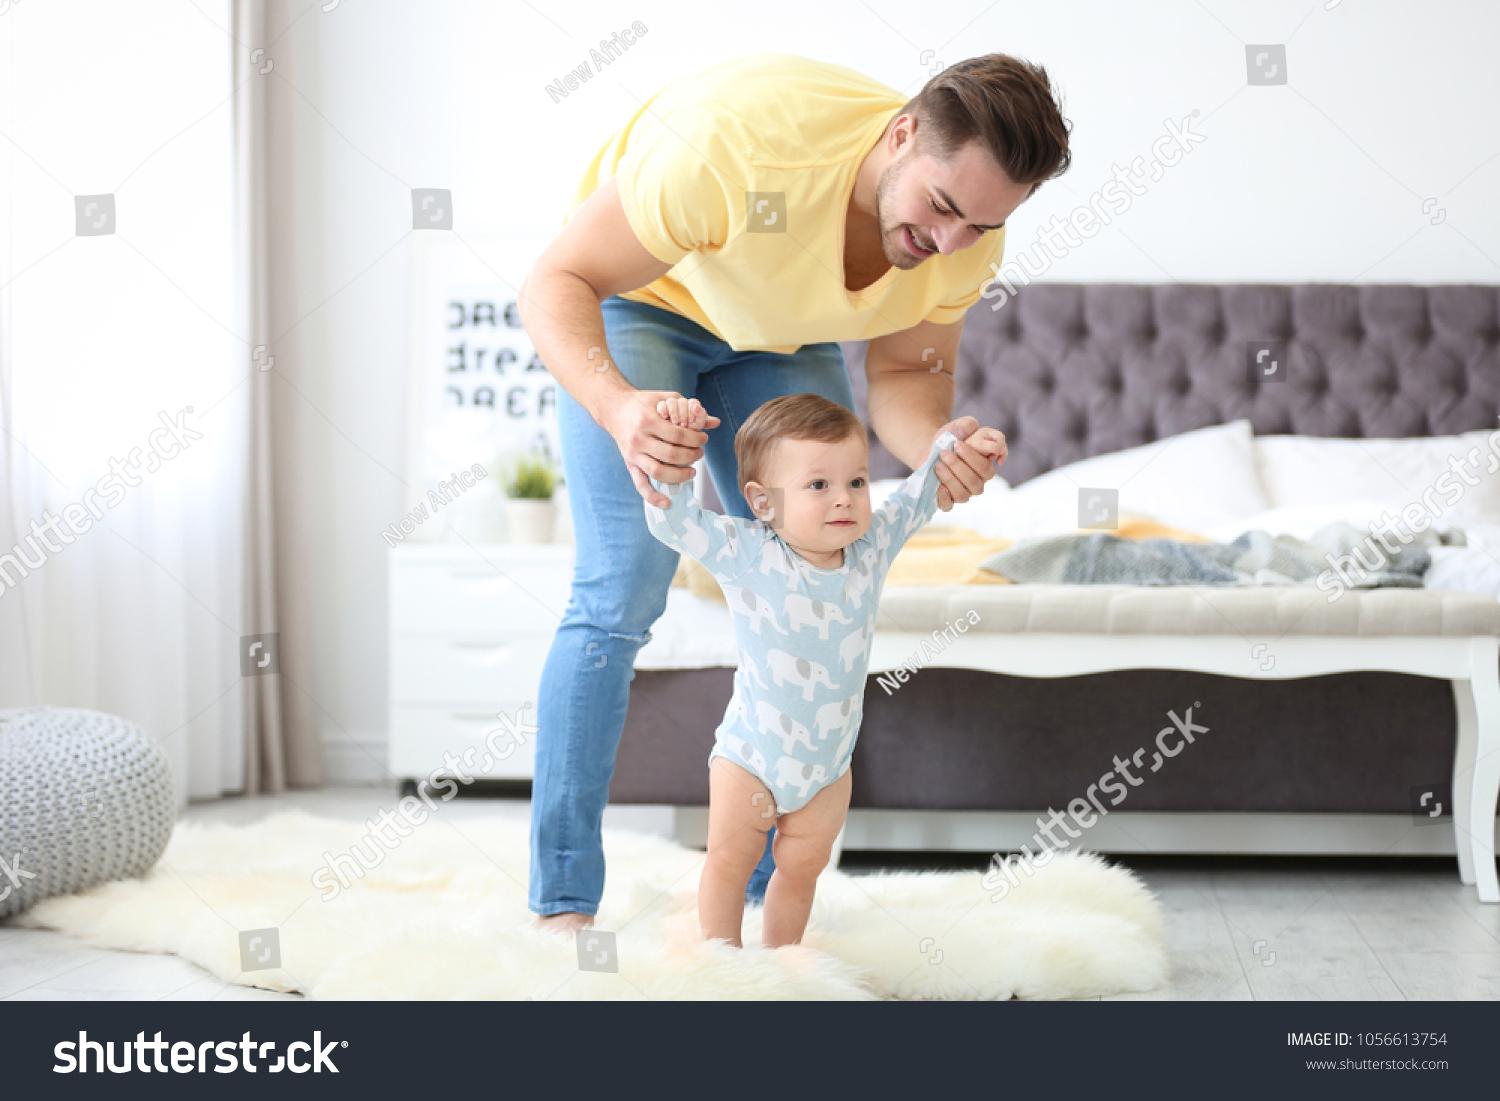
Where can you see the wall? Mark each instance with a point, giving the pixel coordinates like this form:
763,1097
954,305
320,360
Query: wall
1377,161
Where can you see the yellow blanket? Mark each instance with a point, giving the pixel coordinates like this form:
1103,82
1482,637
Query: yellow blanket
942,555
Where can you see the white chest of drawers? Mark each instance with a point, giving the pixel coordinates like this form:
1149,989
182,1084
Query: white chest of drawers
470,628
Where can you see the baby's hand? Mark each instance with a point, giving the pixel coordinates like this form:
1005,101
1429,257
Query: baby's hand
684,412
990,443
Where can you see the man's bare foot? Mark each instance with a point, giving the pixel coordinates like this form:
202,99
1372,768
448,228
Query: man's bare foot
566,922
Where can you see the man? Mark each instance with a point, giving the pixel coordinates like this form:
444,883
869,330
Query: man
741,223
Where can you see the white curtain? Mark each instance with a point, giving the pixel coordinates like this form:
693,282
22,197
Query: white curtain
119,348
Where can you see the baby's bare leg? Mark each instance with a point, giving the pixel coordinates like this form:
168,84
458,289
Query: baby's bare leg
804,838
740,811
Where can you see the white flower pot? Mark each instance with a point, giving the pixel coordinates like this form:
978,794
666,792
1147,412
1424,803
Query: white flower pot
529,520
473,518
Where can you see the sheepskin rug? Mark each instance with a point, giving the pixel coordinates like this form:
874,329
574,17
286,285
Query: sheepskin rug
443,915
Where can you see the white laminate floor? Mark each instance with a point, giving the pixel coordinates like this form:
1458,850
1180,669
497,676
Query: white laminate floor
1265,929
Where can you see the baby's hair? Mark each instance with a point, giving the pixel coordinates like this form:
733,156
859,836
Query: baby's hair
793,417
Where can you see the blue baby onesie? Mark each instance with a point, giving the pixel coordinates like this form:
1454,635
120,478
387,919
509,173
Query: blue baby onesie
803,632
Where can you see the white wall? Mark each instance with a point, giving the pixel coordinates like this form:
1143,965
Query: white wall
1387,105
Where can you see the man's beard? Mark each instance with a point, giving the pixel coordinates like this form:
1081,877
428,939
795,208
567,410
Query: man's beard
892,237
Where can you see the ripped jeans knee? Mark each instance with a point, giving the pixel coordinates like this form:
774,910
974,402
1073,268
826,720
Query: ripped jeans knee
642,639
606,645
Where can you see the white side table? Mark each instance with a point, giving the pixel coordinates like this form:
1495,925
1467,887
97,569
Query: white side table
470,628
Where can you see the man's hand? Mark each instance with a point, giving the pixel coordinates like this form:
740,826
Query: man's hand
963,470
652,445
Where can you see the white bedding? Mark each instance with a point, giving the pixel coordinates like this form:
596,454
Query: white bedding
693,633
1203,477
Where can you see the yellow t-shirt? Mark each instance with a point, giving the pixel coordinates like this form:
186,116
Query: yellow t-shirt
740,177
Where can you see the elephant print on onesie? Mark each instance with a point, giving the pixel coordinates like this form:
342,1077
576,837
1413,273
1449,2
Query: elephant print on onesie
804,633
802,673
792,733
749,604
751,670
837,716
817,613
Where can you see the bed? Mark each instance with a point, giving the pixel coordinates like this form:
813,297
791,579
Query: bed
1362,721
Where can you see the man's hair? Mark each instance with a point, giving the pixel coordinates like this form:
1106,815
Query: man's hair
1004,102
792,417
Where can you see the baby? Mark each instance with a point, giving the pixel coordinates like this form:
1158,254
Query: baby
803,582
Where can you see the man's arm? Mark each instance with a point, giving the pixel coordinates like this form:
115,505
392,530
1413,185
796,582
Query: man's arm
910,383
910,376
595,256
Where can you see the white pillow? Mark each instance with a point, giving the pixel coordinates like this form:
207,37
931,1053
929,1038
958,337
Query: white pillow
1466,569
1474,568
1310,470
986,512
1195,480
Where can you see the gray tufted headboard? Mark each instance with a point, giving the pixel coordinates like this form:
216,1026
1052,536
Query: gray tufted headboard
1068,371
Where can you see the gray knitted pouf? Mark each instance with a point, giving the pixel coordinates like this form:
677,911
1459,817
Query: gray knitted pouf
85,797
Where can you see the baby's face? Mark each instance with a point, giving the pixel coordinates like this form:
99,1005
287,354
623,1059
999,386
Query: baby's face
820,491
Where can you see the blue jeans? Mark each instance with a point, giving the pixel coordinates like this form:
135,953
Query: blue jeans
622,573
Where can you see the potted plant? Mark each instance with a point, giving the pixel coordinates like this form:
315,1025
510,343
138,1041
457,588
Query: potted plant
529,508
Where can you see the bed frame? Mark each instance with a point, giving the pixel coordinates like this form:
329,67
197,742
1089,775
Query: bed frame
1335,737
1472,665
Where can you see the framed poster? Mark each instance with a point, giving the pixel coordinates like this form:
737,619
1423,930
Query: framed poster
481,398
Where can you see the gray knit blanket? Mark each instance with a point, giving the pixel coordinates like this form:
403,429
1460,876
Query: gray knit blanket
1350,557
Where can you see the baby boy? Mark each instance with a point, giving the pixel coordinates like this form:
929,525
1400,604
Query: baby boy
803,582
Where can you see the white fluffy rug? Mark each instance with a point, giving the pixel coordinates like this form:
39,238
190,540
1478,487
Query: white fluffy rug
444,916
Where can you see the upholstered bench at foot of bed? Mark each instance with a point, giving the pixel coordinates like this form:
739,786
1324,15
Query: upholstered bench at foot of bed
1262,633
1191,610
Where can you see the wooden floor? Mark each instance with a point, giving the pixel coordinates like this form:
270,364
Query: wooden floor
1237,928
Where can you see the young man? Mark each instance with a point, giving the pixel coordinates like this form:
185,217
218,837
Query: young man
742,222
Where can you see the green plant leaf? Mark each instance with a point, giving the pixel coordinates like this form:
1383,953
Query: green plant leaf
532,477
